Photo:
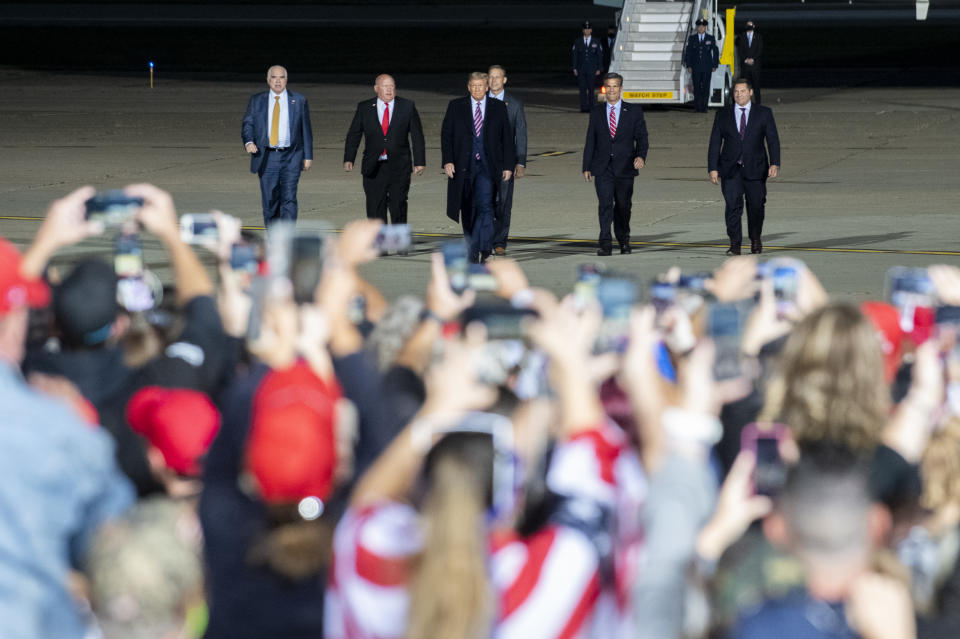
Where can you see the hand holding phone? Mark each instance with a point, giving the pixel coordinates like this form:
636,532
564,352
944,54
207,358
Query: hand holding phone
770,470
393,237
113,208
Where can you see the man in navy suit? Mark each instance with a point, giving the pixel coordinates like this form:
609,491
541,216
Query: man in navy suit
497,78
738,159
276,133
702,57
615,150
477,146
587,62
389,124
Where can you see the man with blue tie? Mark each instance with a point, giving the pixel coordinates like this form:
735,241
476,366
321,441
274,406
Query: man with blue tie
615,151
276,133
738,159
477,146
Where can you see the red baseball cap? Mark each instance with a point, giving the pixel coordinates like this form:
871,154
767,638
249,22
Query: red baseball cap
886,319
15,290
180,423
292,446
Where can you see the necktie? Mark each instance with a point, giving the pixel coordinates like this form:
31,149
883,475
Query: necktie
386,123
477,124
613,122
275,122
586,42
743,121
701,38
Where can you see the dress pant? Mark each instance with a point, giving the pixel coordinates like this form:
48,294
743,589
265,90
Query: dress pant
481,194
501,214
751,72
587,80
701,90
279,174
735,189
614,195
388,186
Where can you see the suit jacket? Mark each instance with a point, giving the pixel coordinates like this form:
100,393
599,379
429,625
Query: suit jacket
699,56
587,59
754,50
619,152
404,127
456,147
726,147
518,124
255,129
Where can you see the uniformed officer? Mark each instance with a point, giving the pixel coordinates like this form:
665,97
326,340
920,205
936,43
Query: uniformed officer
587,64
702,58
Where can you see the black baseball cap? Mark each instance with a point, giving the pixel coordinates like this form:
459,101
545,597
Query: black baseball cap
702,21
587,25
85,303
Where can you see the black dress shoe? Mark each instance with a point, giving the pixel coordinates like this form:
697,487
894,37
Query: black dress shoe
625,249
604,252
734,249
756,246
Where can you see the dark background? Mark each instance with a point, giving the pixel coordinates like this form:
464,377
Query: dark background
817,43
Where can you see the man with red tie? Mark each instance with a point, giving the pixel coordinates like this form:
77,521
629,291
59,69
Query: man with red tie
615,151
389,124
738,160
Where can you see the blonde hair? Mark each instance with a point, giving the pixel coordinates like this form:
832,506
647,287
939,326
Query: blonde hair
293,547
451,594
830,387
940,467
477,75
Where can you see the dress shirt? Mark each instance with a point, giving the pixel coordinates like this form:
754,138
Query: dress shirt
284,140
749,38
586,41
616,113
381,105
736,114
483,108
497,96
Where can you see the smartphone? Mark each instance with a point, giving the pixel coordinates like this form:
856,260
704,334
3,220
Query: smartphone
784,272
663,295
948,335
455,259
113,208
306,266
770,472
479,278
393,237
128,256
725,328
694,282
912,292
585,288
506,345
199,228
616,296
245,258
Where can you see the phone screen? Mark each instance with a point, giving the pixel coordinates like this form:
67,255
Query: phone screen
725,325
455,259
770,473
128,256
306,267
617,298
393,237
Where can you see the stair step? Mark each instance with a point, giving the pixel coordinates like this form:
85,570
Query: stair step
663,7
650,76
657,27
654,36
668,61
650,86
652,47
650,18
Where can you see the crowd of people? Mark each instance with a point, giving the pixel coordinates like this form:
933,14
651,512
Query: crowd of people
280,452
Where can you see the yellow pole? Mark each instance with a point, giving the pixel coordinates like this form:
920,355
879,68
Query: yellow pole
726,56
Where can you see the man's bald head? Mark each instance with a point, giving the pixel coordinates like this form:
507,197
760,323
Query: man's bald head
385,87
277,78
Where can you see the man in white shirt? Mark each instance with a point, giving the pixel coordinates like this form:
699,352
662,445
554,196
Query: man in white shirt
276,132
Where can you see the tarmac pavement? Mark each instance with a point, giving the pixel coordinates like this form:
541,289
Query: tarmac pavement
869,177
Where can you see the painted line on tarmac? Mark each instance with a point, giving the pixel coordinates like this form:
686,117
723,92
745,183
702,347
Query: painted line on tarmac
545,240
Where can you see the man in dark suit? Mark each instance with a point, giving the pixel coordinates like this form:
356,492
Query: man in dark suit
750,52
389,124
742,135
476,143
276,133
497,78
587,63
615,150
608,46
702,58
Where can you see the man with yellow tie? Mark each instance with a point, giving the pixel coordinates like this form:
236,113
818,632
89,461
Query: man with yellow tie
276,133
